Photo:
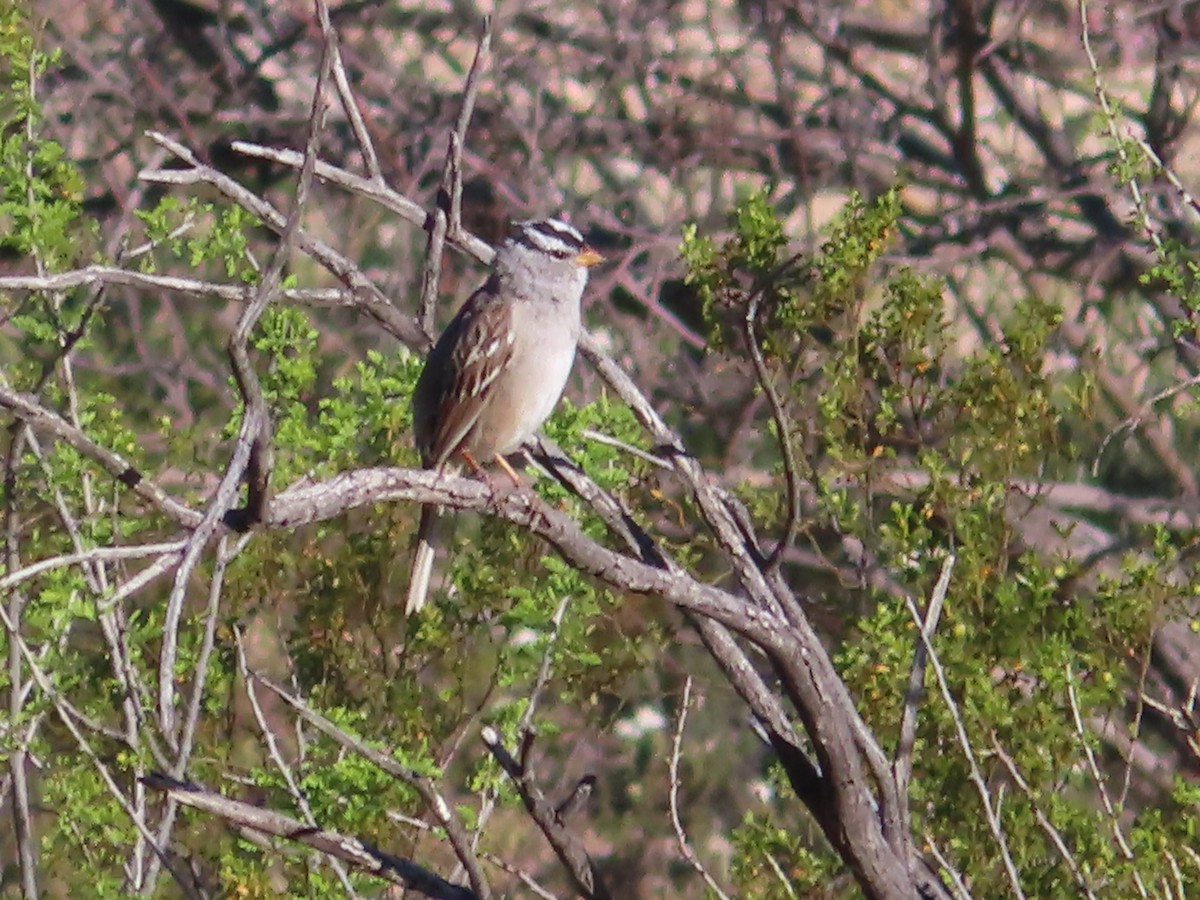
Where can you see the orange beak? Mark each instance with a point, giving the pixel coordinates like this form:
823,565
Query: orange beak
588,257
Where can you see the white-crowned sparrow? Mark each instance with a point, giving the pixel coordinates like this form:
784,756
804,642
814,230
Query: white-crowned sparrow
499,368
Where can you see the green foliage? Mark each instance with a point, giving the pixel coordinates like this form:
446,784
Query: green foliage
909,442
40,190
877,384
1175,270
198,233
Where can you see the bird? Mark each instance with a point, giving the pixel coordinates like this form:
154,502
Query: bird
498,370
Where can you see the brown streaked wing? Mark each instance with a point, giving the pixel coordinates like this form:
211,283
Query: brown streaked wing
479,346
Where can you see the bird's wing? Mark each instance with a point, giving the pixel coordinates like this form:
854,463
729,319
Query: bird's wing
461,374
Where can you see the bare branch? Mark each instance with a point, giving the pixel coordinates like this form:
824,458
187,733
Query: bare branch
407,209
570,852
1055,836
673,795
423,785
273,751
252,456
902,765
369,298
357,853
33,414
964,742
446,219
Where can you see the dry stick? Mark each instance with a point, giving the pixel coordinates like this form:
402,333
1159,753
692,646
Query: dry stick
273,751
567,848
72,719
489,858
368,297
964,743
1181,472
44,421
1110,118
18,759
449,820
780,875
902,764
673,795
1134,422
1094,770
225,555
1134,729
526,879
956,879
778,412
95,554
600,437
446,218
252,455
43,683
1167,172
100,275
1047,826
95,576
526,724
350,106
20,689
391,200
525,727
352,850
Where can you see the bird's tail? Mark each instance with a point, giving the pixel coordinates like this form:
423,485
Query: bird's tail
422,564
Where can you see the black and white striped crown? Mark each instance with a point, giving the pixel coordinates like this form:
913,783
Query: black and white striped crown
550,236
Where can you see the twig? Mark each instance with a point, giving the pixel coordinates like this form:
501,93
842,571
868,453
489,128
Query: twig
423,785
543,678
40,419
1134,422
100,275
365,145
1094,769
368,297
71,719
778,413
673,795
574,857
95,554
525,728
964,743
285,771
225,555
526,879
902,764
446,219
391,200
600,437
1047,826
352,850
956,879
252,455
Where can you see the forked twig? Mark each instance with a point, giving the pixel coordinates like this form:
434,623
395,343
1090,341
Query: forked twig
446,218
964,742
349,849
673,796
902,764
570,851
